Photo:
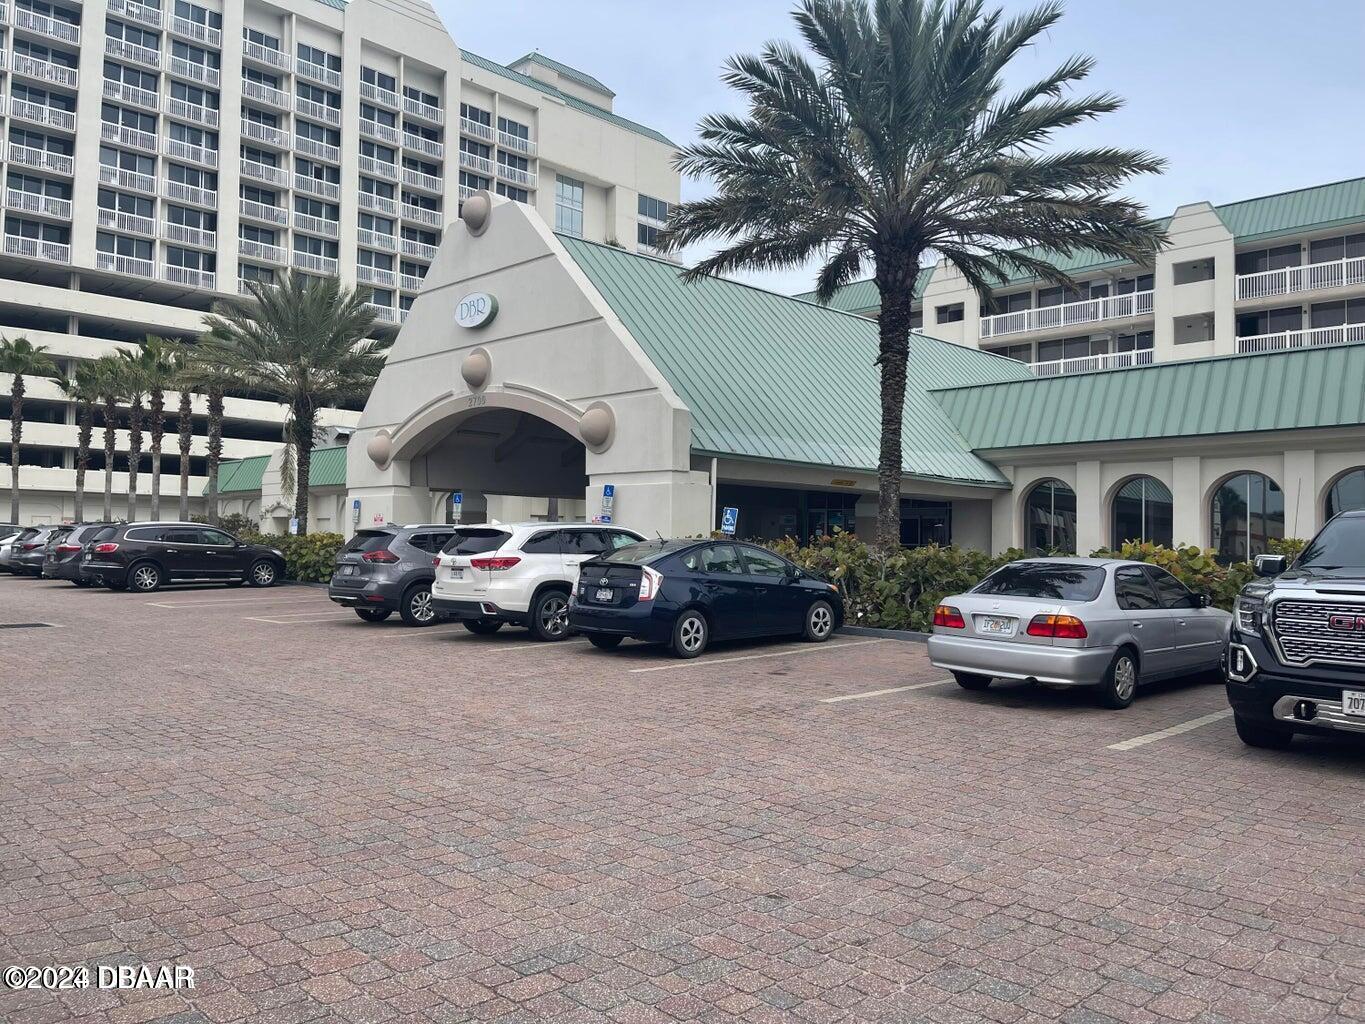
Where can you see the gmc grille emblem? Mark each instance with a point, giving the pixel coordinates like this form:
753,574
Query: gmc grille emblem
1347,623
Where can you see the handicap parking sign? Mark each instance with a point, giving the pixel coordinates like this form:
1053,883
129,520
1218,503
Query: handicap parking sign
729,521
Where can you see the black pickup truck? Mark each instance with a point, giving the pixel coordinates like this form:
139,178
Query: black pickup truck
1295,657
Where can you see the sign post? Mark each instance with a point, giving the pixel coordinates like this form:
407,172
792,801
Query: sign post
456,506
608,502
729,521
355,511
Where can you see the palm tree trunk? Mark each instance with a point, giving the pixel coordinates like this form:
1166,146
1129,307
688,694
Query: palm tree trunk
16,430
85,426
134,453
157,412
184,424
215,448
109,413
896,274
303,462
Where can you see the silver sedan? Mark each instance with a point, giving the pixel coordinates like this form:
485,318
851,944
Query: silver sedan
1078,622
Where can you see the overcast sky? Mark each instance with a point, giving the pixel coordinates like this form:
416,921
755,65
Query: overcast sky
1242,97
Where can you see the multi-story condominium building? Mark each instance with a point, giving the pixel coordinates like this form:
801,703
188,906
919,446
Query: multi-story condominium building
1276,272
160,153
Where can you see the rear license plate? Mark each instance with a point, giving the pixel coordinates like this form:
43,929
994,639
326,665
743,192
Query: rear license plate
1353,703
995,625
604,594
85,557
348,570
456,572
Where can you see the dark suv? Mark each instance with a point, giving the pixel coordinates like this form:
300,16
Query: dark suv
62,554
389,569
143,556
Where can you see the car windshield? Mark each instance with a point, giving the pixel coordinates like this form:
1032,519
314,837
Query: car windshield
644,552
1339,545
476,541
1055,581
369,540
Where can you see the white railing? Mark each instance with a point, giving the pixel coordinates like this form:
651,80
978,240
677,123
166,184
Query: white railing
376,240
315,263
130,94
36,249
478,164
422,180
321,150
41,158
34,202
374,275
421,250
382,132
317,187
131,51
378,168
206,116
261,251
192,194
134,180
317,111
410,283
516,175
125,136
1068,314
421,215
422,144
189,276
378,94
258,132
466,191
379,204
516,144
195,72
140,13
1342,334
46,71
264,172
318,73
124,264
1085,364
201,155
1307,277
263,93
265,55
403,312
38,113
186,235
45,26
253,210
386,314
193,30
477,130
316,225
423,110
129,222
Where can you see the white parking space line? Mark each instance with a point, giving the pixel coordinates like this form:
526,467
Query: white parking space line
1175,730
804,649
277,613
295,622
210,602
883,693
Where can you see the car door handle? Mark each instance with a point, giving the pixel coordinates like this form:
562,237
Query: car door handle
1137,625
172,551
1180,622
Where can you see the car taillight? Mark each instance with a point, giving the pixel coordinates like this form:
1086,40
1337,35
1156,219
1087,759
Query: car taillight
948,616
1062,627
387,557
436,560
650,582
68,547
498,563
31,545
107,548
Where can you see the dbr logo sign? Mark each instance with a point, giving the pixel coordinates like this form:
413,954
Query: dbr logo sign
476,310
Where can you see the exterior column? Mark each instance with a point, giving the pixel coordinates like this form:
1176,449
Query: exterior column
1004,528
1189,519
1300,483
1090,517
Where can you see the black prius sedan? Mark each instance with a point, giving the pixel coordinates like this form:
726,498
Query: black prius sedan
686,593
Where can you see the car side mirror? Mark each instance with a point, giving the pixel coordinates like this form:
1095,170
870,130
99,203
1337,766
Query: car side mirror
1270,565
1204,600
793,574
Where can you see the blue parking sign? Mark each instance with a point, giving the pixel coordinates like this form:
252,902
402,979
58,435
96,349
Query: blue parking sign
729,521
608,490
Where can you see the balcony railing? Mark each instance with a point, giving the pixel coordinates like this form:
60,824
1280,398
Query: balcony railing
130,223
318,73
200,155
410,283
378,204
264,172
426,182
377,94
1311,338
477,130
315,263
207,116
189,276
45,71
257,132
384,314
1086,364
252,210
374,275
134,180
265,55
37,249
140,13
261,251
421,215
183,234
143,55
38,113
182,68
383,132
267,94
376,240
378,168
194,30
526,179
318,111
133,138
423,110
421,250
1308,277
516,144
316,225
466,191
478,164
421,144
120,264
191,194
33,202
42,159
42,25
317,187
1067,314
124,93
321,150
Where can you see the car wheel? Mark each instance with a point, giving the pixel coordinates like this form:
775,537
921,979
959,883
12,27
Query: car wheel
1121,681
416,607
690,634
374,614
144,578
482,627
605,643
819,622
262,573
972,680
550,615
1264,735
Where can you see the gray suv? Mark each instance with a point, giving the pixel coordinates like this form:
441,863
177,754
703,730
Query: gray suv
389,569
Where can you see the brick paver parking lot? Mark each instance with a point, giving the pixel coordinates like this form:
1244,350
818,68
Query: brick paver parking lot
336,821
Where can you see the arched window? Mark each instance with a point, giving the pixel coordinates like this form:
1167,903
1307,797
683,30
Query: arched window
1050,518
1347,493
1247,511
1142,512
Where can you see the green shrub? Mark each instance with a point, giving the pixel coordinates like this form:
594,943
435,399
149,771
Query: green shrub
307,559
1195,568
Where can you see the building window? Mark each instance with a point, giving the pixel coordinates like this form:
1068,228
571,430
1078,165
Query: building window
647,235
925,522
568,206
652,209
1246,512
1347,494
1143,511
1329,250
950,314
1270,321
512,192
1050,518
1258,261
478,116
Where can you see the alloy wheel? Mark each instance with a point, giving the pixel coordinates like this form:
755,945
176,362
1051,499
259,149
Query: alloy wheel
263,574
821,621
692,633
420,606
146,578
1125,678
554,615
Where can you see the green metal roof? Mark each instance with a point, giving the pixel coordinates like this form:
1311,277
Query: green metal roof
564,71
592,109
1304,388
327,469
862,296
767,376
1304,209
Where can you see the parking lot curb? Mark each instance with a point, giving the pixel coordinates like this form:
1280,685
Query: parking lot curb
906,635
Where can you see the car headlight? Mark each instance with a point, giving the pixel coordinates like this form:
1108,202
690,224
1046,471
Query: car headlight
1249,612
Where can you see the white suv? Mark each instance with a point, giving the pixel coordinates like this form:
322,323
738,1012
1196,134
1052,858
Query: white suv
493,573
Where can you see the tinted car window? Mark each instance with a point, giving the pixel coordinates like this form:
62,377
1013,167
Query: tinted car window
436,541
103,533
475,541
182,536
147,533
1133,591
762,563
1170,591
621,540
1056,581
1339,545
648,551
584,542
369,540
216,537
547,543
721,558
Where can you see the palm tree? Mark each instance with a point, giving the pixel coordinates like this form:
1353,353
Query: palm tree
82,388
301,342
135,380
158,365
184,423
107,373
900,145
20,358
202,369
